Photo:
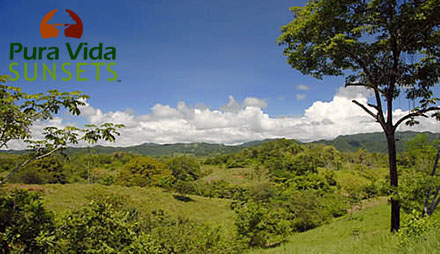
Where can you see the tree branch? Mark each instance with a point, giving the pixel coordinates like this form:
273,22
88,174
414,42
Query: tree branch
359,84
373,106
435,202
428,192
367,110
414,114
3,143
380,116
379,105
13,172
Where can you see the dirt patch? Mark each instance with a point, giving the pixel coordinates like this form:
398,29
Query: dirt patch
239,176
29,187
368,203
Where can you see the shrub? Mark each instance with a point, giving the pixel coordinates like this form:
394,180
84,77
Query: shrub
46,170
184,168
259,225
414,229
102,228
144,171
23,221
308,209
178,235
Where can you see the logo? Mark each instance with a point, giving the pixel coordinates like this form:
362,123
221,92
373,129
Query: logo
79,58
51,30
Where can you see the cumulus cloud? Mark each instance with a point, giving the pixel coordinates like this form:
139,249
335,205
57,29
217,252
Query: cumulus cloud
300,96
354,91
237,122
232,105
254,102
302,87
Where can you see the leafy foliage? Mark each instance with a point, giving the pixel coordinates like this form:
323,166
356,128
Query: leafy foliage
184,168
144,171
415,228
388,47
20,110
23,221
46,170
102,228
259,225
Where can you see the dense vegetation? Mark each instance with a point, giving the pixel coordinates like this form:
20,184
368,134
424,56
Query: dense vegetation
272,190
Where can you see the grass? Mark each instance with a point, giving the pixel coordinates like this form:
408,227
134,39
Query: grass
59,198
365,232
236,176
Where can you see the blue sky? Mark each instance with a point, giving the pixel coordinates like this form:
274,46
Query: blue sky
195,51
174,56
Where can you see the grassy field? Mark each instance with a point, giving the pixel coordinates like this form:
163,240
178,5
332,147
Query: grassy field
59,198
365,232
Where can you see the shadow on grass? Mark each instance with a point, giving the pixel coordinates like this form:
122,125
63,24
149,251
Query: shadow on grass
183,198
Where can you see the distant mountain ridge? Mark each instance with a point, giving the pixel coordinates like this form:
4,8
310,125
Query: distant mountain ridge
152,149
373,142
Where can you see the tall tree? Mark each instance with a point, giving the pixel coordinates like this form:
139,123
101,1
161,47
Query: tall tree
387,46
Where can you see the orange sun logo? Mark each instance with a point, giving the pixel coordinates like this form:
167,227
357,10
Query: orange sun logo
71,30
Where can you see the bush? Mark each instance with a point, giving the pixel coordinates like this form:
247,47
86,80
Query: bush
308,209
184,168
107,225
414,229
46,170
178,235
259,225
23,222
102,228
145,171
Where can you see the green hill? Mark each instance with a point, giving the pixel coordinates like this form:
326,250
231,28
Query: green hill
373,142
62,197
152,149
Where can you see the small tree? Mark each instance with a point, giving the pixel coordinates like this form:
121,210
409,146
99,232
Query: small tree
144,171
387,46
184,168
19,111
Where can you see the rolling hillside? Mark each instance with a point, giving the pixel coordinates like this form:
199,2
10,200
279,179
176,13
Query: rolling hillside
372,142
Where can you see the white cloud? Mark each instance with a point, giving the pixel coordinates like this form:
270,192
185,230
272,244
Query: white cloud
232,105
300,96
254,102
354,91
239,122
302,87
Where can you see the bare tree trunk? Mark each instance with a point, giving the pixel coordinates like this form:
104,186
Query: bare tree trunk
395,204
426,210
